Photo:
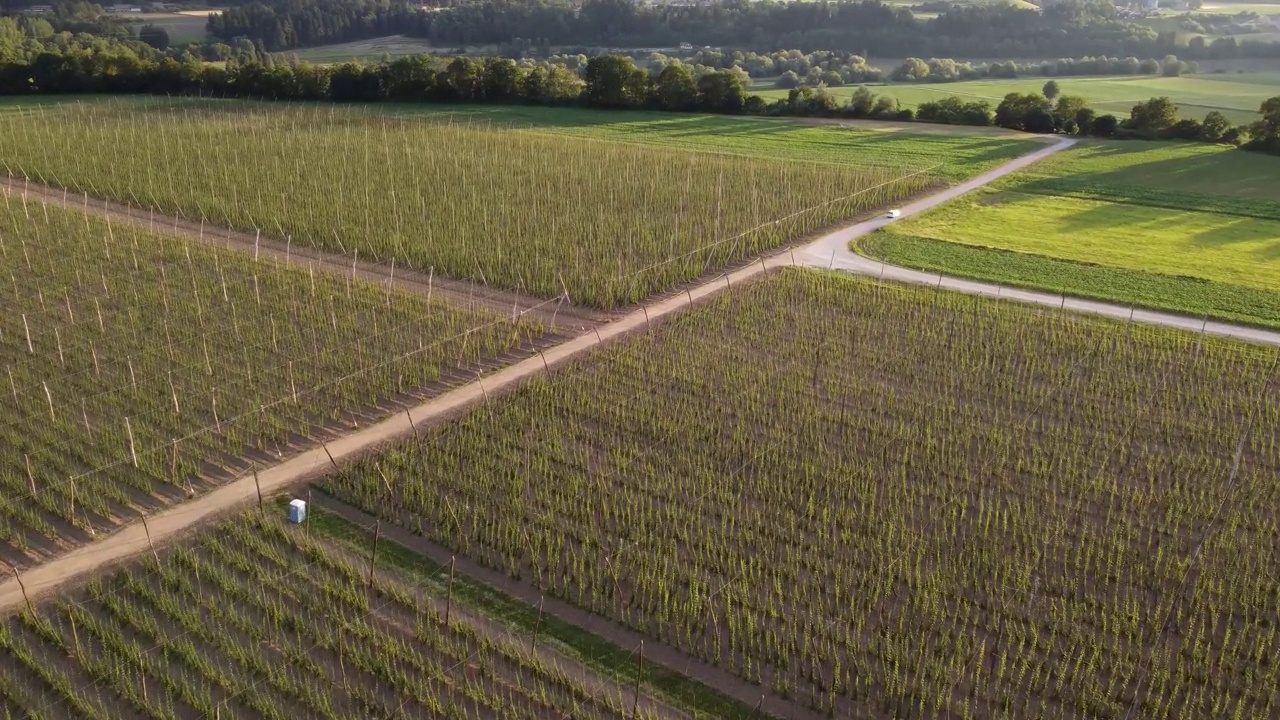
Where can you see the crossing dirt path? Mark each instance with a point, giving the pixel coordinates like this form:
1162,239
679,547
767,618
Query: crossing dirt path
829,251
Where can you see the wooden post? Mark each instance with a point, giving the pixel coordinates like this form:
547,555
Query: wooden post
258,484
415,427
326,452
75,636
133,453
448,602
635,708
30,608
373,556
533,643
30,476
150,544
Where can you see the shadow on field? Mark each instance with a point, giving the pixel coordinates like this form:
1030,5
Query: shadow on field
1229,182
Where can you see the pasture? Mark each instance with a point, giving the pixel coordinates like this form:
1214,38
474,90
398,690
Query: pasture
885,501
1189,228
549,214
1236,95
139,370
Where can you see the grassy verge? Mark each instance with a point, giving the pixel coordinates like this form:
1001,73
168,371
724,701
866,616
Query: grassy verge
593,651
1185,295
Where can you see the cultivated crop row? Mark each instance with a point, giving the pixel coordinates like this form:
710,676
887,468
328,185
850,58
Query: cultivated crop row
892,502
609,222
254,619
132,365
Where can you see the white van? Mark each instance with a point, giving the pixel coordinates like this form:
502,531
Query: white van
894,214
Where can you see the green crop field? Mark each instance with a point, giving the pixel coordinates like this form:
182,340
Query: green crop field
611,223
1237,96
883,501
255,619
1189,228
137,369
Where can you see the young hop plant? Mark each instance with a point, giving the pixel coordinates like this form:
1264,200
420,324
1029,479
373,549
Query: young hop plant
132,365
891,502
611,223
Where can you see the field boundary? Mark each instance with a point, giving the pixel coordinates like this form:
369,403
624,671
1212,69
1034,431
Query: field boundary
341,527
463,293
745,694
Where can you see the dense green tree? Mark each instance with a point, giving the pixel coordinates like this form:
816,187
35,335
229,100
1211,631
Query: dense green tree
722,92
1105,126
1213,127
613,81
156,37
1085,118
1264,134
1051,91
1015,109
861,102
675,88
501,81
1154,115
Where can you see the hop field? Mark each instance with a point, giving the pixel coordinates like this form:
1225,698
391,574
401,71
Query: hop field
135,365
611,223
253,619
891,502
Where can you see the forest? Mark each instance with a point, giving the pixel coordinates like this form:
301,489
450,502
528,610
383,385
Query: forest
867,27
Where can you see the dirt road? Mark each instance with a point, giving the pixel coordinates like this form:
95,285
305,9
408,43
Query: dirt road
315,462
832,251
829,251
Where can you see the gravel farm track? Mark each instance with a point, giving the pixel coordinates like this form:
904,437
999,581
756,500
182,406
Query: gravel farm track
829,251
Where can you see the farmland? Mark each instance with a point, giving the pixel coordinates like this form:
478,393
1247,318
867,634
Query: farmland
890,502
139,369
183,27
1187,228
610,223
1236,95
255,619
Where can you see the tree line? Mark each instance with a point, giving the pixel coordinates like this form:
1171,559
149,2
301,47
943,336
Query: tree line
867,27
604,82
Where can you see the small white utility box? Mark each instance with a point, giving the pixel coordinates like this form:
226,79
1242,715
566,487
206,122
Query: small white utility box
893,214
297,511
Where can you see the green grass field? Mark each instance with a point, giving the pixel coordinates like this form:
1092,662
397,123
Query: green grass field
960,154
183,27
375,49
1235,95
1190,228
